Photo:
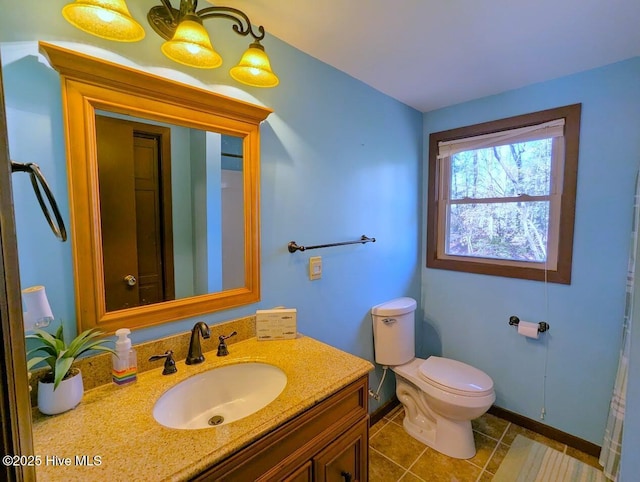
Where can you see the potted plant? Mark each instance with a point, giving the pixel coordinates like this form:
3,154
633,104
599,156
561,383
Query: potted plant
61,389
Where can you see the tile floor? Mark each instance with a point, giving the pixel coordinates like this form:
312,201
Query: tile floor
396,456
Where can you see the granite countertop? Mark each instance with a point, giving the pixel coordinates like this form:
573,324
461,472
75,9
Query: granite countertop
114,428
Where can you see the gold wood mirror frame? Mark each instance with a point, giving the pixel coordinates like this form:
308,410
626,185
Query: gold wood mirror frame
90,84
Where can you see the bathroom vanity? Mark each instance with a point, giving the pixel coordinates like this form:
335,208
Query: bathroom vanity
316,430
329,442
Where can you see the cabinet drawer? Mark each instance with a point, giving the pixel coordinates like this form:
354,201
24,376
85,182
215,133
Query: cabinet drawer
295,442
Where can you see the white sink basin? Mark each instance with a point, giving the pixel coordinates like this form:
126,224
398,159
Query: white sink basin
219,396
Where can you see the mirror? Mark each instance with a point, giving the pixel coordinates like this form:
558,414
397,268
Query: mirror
164,194
171,210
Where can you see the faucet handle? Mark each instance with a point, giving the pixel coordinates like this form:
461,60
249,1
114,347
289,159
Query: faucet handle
169,363
222,346
222,337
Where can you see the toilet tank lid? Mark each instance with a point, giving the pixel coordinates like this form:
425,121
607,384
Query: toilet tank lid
455,375
396,307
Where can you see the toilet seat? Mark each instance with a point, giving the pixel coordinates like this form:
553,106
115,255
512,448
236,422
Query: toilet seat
455,377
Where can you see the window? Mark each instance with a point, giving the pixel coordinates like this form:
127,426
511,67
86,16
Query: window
502,196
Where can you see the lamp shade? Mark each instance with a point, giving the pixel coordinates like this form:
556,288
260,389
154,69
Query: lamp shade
37,310
191,45
109,19
254,68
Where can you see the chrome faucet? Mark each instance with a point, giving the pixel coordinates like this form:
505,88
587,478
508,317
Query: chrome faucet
222,345
195,355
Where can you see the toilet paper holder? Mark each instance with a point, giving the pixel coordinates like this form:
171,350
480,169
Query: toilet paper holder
542,326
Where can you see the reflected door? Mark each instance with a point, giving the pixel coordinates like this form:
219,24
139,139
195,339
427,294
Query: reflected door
133,161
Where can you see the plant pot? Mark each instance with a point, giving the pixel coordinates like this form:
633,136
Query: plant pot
65,397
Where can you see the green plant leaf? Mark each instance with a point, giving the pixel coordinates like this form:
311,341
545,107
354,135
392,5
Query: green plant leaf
60,345
82,338
93,345
59,334
103,348
86,341
44,337
62,367
34,361
47,349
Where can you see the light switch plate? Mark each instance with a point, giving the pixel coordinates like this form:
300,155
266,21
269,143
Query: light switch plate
315,267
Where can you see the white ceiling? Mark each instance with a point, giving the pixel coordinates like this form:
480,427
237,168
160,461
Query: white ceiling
434,53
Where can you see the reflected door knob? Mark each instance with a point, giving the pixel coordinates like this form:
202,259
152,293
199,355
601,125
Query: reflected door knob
130,280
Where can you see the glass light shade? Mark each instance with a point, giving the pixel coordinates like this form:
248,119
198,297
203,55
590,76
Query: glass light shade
191,46
108,19
254,68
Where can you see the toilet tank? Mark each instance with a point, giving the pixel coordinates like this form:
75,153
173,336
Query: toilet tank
394,331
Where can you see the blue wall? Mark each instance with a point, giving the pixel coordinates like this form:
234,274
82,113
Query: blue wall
465,315
339,160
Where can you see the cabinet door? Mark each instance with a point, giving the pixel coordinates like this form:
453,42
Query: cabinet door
302,474
345,459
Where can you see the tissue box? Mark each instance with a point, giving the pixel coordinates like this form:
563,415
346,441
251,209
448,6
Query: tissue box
276,324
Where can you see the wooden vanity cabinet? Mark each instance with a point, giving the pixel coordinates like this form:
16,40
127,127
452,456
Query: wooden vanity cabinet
328,442
345,460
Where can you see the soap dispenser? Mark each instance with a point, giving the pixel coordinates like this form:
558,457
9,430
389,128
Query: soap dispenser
125,363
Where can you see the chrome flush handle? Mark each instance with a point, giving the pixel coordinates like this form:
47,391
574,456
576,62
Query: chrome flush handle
389,321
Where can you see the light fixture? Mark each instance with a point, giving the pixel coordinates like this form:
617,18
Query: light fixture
254,68
38,312
190,45
109,19
187,41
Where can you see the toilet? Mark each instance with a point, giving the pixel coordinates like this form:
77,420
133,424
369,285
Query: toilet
440,396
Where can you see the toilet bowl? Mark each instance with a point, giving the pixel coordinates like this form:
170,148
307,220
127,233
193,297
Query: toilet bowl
439,412
440,395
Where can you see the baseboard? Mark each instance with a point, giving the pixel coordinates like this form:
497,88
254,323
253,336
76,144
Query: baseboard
550,432
384,409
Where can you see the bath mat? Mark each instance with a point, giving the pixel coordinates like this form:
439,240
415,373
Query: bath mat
530,461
